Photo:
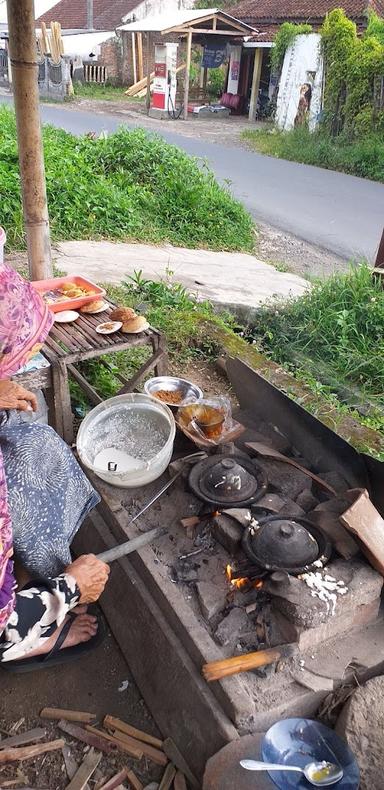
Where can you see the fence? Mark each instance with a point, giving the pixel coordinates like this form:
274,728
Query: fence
95,72
54,78
4,76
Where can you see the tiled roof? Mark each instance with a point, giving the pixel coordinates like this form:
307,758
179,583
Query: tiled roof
72,14
255,11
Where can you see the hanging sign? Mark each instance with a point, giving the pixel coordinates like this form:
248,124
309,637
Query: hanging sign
214,56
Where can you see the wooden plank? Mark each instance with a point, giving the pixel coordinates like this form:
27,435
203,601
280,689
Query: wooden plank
255,83
27,752
71,336
180,783
140,67
67,715
65,402
168,777
134,781
206,31
25,737
148,751
148,99
100,742
83,383
128,745
187,75
117,724
35,379
178,760
87,768
115,781
120,345
149,365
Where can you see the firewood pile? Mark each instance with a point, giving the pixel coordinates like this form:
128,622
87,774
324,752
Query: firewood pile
101,743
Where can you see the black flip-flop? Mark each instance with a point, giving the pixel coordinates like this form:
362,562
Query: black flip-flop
55,657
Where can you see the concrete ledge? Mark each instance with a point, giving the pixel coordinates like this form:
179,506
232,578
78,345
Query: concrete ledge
180,701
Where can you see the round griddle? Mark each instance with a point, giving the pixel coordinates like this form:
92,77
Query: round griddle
285,543
228,481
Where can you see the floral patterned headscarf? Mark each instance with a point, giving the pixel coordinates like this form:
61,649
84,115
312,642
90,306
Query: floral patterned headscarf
25,322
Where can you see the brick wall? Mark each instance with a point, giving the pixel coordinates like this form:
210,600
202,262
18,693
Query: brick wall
111,57
116,55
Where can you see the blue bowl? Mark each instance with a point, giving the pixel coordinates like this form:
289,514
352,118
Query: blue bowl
301,741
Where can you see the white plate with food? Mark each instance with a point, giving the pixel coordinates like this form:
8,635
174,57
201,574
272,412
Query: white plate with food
109,327
136,326
66,316
94,307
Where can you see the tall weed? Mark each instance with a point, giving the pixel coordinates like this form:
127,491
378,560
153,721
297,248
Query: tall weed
129,186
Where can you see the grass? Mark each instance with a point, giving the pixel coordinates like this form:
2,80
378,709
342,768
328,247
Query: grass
332,338
93,90
128,186
363,157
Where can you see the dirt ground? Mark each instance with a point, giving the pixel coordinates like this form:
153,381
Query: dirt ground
100,683
289,253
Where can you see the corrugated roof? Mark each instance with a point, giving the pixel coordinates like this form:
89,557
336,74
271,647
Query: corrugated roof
176,19
72,14
254,12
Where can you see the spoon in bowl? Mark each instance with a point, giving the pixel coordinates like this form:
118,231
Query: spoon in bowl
319,774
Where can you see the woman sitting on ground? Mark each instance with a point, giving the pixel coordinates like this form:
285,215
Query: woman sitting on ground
44,497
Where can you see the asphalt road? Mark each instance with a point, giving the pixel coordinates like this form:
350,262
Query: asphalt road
340,213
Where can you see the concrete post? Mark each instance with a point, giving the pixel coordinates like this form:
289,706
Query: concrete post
23,56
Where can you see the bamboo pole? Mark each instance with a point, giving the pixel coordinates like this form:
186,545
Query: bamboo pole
255,84
148,99
187,75
23,56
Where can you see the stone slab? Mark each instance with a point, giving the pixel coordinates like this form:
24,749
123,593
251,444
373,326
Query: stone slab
223,771
361,724
233,280
305,611
308,638
179,699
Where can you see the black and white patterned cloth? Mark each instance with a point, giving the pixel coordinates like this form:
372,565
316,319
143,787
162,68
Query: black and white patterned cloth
49,495
41,608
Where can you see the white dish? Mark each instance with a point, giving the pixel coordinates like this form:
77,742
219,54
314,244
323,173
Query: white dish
114,326
66,316
138,331
99,310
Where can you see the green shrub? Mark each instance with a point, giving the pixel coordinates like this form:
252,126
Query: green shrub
285,36
334,332
129,186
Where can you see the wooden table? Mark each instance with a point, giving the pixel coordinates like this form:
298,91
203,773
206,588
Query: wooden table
69,344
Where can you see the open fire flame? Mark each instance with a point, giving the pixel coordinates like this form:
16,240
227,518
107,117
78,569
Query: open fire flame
238,584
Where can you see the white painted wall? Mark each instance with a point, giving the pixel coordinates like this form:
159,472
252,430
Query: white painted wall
158,7
302,63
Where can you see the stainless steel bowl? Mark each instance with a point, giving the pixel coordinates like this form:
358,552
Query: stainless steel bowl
172,383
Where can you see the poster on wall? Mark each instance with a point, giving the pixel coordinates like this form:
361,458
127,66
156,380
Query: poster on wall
213,56
299,99
235,70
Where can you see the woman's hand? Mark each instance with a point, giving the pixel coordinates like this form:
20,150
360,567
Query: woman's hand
13,396
91,576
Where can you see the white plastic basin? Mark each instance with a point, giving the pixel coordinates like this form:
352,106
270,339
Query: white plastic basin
127,440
